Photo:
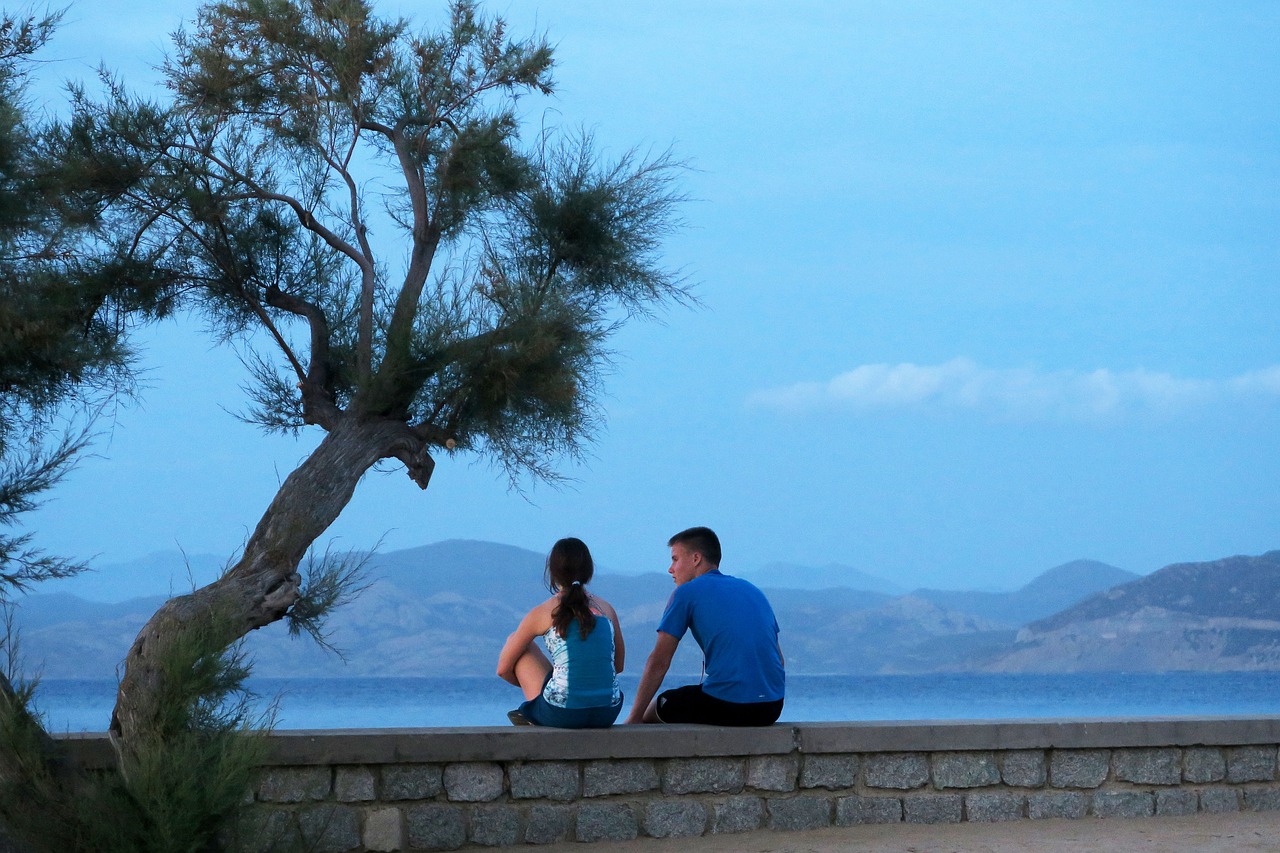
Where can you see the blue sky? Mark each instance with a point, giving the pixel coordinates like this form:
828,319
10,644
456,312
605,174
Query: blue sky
987,287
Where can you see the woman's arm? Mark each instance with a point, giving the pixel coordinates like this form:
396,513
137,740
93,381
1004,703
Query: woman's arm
535,623
619,644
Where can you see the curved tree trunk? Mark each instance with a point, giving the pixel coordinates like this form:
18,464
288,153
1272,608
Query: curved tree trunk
264,584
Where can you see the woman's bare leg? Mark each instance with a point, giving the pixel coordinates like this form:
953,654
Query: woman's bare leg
531,671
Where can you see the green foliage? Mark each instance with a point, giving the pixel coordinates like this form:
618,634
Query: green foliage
360,197
57,341
178,789
22,481
329,581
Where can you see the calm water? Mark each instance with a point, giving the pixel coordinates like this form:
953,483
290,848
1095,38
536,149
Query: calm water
307,703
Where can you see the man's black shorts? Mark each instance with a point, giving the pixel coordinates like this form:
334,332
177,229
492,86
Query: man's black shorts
690,705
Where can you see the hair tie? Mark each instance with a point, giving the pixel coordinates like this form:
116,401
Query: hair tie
576,583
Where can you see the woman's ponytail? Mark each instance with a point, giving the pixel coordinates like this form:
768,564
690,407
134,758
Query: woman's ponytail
569,570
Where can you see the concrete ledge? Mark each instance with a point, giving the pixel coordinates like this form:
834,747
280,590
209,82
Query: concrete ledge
449,788
501,743
1102,732
526,743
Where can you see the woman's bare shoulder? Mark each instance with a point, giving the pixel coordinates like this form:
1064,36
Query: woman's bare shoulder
603,606
541,613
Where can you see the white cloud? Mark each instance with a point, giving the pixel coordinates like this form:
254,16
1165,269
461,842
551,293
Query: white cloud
1013,393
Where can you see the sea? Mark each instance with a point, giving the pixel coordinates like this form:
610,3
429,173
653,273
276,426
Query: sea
84,705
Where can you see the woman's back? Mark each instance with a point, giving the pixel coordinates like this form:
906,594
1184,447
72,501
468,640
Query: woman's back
582,668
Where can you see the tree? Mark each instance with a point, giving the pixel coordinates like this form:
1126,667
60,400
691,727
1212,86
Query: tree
303,136
67,298
57,339
69,290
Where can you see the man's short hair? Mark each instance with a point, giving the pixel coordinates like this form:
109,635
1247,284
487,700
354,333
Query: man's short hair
702,540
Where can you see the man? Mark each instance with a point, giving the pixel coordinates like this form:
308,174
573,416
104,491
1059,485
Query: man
734,626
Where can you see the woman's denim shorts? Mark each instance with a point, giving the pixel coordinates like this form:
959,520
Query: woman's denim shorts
540,712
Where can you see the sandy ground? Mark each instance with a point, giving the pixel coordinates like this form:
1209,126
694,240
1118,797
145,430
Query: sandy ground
1241,832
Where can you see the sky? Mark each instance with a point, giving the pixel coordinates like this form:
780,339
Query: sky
986,287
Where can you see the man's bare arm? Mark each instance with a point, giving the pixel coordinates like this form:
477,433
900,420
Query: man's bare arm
655,669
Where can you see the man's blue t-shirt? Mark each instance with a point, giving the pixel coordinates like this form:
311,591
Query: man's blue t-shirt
735,627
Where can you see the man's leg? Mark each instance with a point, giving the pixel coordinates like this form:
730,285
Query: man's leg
686,704
692,705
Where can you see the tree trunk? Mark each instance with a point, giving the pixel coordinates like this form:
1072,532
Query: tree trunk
264,584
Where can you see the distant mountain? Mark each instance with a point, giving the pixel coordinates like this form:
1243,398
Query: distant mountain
446,609
59,608
439,609
879,639
830,576
62,636
1219,615
1054,590
165,573
456,564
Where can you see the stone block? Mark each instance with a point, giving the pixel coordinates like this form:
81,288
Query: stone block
703,775
544,780
1023,768
675,818
548,824
495,826
964,769
411,781
607,822
773,772
473,781
354,785
1262,799
606,777
851,811
738,814
1251,764
1219,800
384,830
1068,804
1078,768
1203,764
1123,804
1148,766
829,771
806,811
933,808
329,828
900,770
1176,801
436,826
255,831
994,807
295,784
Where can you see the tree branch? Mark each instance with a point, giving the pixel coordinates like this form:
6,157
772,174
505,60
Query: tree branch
364,332
318,403
259,193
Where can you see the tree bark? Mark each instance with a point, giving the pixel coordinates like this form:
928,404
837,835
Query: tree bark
264,584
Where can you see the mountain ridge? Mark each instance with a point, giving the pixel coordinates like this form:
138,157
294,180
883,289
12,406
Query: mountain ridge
1046,594
426,613
1214,615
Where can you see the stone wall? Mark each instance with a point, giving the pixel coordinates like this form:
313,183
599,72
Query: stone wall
442,789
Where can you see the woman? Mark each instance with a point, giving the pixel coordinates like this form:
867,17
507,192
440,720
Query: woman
578,687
